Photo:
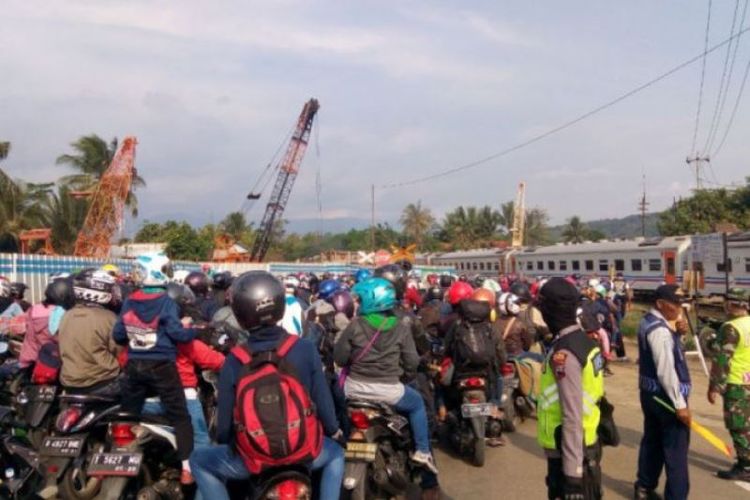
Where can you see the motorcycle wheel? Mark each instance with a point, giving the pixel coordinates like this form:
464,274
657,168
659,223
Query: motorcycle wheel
479,449
358,493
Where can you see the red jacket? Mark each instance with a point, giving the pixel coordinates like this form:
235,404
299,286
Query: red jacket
37,334
189,356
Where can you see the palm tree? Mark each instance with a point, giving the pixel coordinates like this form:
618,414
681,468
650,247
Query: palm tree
575,231
417,222
65,215
4,149
506,216
536,232
91,159
20,208
235,225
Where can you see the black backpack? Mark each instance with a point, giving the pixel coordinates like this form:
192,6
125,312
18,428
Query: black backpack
473,345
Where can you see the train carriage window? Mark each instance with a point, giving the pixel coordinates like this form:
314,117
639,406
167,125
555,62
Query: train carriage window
551,265
654,264
530,266
589,265
721,268
636,265
497,266
576,265
747,264
481,266
474,266
619,264
539,265
563,265
603,265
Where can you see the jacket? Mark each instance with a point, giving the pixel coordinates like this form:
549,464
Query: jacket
303,357
37,334
519,338
87,350
149,324
196,354
392,356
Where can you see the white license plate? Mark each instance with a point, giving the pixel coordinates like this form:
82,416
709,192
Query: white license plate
115,464
62,446
358,451
469,410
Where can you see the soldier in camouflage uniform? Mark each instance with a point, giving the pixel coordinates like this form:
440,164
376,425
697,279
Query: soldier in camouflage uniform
730,377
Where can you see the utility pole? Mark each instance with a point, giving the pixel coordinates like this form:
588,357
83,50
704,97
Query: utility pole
372,218
642,207
698,161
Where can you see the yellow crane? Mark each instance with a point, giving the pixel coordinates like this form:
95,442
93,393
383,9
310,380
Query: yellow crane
519,216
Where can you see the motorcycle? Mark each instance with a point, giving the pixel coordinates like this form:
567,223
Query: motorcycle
468,420
377,452
22,470
519,406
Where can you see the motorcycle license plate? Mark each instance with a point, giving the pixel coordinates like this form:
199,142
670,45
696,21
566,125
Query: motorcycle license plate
62,446
469,410
360,452
115,464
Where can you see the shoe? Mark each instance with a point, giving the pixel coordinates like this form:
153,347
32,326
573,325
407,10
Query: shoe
431,493
496,441
425,459
608,372
736,473
186,477
622,359
642,493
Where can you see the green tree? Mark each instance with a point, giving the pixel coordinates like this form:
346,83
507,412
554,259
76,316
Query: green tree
235,225
506,216
65,215
575,231
91,158
4,149
417,222
701,212
20,209
470,227
537,228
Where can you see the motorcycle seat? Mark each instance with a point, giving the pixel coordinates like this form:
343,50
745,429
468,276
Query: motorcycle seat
369,405
146,418
87,398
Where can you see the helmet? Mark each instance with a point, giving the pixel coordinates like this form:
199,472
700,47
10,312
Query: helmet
459,291
593,283
508,304
362,274
17,290
375,295
600,290
111,269
404,264
4,287
94,286
434,293
484,295
738,297
152,269
291,282
182,294
59,292
258,299
327,288
198,282
180,275
394,274
446,280
522,291
343,303
432,279
222,280
493,285
478,280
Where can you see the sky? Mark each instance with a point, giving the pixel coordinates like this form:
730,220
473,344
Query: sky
406,89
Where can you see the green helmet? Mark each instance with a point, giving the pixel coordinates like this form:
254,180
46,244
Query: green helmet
739,296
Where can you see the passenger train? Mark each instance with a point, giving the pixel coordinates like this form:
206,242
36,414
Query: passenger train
695,261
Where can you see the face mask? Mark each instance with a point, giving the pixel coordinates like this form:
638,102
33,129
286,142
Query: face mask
558,315
53,324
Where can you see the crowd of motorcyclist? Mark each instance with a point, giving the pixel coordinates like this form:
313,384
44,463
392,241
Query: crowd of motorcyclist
388,335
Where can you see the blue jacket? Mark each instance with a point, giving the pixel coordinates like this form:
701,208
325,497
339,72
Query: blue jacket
305,359
153,321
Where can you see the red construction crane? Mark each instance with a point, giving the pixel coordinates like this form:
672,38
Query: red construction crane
105,213
288,169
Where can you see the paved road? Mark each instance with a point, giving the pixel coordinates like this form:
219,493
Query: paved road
518,469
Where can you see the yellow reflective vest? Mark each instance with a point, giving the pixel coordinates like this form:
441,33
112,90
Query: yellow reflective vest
739,365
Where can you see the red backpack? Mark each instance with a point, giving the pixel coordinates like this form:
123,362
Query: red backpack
274,418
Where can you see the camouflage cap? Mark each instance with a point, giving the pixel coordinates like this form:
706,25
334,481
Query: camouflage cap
740,296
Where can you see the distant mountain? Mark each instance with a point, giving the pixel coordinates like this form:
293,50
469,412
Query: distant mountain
337,225
625,227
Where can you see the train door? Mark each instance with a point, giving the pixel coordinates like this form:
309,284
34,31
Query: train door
670,267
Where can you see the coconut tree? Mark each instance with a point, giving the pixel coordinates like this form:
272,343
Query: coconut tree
65,215
506,216
537,230
92,155
417,222
235,225
575,231
20,208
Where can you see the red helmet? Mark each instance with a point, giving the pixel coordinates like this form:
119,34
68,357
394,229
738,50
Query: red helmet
459,291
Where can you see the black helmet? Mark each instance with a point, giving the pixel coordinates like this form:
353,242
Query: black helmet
258,299
434,293
222,280
522,291
59,292
93,286
182,294
478,281
395,274
198,282
446,280
17,290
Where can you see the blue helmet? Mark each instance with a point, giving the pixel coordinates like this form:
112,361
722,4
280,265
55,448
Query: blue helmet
362,275
375,295
327,288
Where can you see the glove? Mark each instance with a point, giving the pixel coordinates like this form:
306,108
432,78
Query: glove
573,489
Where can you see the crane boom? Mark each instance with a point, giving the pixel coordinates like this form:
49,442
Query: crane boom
288,169
105,214
519,217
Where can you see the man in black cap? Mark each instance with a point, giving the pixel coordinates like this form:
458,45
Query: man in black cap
663,374
568,405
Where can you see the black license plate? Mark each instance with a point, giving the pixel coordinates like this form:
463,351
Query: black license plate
62,446
43,393
357,451
469,410
115,464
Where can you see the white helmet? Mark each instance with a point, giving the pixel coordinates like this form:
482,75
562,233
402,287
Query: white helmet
492,285
4,287
594,282
94,286
291,282
508,305
152,269
180,275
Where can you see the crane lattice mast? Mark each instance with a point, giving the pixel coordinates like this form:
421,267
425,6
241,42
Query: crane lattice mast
105,215
519,216
288,169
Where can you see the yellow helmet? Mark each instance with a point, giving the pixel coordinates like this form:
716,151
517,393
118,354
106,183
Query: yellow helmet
111,269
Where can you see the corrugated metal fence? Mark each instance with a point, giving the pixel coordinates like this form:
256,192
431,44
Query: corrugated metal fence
35,270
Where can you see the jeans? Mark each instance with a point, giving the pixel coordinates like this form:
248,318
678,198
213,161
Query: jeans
412,404
198,419
212,466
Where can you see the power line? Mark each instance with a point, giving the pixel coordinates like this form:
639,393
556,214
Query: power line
734,110
714,118
703,78
569,123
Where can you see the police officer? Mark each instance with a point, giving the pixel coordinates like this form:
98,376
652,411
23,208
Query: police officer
567,411
730,377
663,373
